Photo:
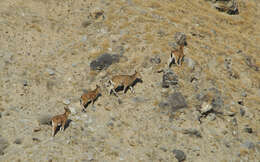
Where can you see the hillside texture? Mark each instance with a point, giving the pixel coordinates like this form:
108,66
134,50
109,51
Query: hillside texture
208,109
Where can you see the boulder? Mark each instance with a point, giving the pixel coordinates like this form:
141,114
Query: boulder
169,78
177,101
104,61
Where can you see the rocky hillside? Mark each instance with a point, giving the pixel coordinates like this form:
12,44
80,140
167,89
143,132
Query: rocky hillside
208,109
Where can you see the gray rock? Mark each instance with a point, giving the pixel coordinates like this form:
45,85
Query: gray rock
180,38
155,60
242,112
179,155
174,45
248,130
104,61
243,94
196,115
206,107
164,107
248,145
66,102
50,71
73,110
18,141
190,63
25,83
110,124
177,101
192,132
234,122
86,23
139,99
211,116
169,78
228,6
163,104
84,38
217,101
7,57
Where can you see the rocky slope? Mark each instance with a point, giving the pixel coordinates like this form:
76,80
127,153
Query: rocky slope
205,110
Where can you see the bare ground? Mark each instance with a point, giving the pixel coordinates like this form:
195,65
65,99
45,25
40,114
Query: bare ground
46,47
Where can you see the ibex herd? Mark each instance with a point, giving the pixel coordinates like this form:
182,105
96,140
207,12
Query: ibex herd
124,81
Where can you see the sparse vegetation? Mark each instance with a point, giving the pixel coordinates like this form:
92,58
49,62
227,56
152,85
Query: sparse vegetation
154,124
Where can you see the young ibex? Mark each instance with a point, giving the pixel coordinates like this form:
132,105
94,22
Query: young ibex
127,81
60,120
89,97
177,56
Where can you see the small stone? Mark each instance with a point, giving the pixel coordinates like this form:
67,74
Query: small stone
192,132
169,78
25,83
179,155
243,94
180,38
197,115
84,38
211,116
36,139
229,7
163,104
86,23
73,110
139,99
50,71
110,124
174,45
242,112
8,57
66,102
206,107
248,130
18,141
163,149
7,113
234,122
240,103
37,129
190,63
155,60
248,145
97,12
